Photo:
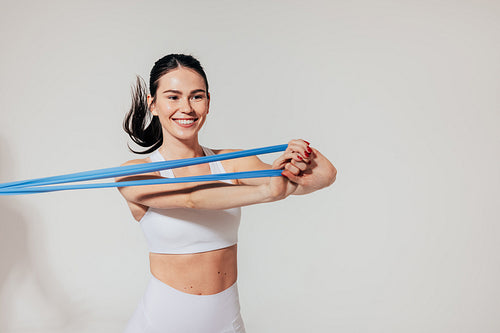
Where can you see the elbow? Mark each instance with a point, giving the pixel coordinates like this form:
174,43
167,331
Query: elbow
190,201
332,180
332,175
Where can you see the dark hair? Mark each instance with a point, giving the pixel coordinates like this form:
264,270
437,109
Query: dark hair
139,123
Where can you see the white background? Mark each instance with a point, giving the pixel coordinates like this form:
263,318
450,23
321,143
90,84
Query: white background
402,96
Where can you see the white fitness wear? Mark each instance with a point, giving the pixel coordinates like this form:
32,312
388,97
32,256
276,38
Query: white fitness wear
164,309
183,230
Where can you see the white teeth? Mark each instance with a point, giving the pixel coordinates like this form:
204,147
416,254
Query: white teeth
185,121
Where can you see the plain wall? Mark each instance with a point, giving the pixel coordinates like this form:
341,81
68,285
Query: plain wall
402,96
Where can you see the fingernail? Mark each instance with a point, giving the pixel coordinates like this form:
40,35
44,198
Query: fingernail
307,155
306,142
309,150
300,157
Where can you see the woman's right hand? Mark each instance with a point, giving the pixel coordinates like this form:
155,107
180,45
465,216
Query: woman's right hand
293,162
280,187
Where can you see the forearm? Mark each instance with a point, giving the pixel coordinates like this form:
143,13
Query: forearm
205,195
231,196
301,189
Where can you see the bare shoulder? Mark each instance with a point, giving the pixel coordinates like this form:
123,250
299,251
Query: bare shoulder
137,161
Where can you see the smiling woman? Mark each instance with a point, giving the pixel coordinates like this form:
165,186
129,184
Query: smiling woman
183,104
177,82
192,229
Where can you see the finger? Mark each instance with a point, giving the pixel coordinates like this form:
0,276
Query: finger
290,176
295,156
292,168
301,147
280,162
301,165
299,158
287,157
297,145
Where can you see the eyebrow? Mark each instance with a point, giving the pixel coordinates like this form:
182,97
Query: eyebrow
178,92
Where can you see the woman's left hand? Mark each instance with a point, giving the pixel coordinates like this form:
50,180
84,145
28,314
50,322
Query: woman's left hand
306,166
295,159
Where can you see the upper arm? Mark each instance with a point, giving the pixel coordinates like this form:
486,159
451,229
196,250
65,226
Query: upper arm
157,196
249,163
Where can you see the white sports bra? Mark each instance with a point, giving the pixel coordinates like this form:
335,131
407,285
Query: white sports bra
184,230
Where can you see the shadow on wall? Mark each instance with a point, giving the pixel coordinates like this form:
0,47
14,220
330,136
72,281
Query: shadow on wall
13,242
17,265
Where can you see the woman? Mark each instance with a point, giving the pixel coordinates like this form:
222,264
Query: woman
191,229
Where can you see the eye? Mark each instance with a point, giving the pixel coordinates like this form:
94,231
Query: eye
173,97
197,97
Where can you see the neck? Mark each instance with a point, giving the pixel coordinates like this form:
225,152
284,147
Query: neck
173,149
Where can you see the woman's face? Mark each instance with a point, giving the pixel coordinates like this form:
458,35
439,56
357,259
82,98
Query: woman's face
181,103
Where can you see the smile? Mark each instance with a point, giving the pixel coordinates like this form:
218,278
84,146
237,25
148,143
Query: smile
185,122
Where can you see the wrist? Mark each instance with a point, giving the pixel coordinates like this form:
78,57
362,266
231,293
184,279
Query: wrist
266,193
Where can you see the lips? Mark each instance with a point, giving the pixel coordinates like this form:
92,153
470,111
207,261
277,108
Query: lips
184,122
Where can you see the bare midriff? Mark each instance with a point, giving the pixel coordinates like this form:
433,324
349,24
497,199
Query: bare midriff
204,273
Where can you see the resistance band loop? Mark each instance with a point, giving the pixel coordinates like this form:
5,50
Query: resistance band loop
204,178
28,186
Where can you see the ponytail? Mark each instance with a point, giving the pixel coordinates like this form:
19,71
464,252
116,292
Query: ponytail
140,124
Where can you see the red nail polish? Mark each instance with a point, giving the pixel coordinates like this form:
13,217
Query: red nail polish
307,155
306,142
309,150
299,157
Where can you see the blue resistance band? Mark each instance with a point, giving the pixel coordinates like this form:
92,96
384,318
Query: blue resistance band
35,185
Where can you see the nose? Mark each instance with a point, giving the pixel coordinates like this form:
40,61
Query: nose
186,106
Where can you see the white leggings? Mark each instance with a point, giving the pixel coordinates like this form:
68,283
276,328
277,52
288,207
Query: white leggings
164,309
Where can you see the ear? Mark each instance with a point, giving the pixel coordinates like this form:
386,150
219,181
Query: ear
151,105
